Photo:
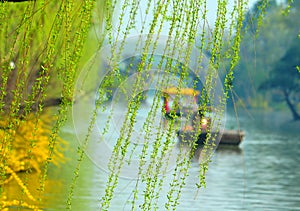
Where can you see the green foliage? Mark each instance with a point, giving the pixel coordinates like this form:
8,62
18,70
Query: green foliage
285,78
36,55
42,52
261,52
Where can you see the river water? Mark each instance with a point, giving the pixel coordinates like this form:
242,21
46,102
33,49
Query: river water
263,173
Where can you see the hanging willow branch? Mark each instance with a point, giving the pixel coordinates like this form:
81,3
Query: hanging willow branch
3,1
41,55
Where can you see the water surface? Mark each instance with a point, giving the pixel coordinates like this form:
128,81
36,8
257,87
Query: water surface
263,173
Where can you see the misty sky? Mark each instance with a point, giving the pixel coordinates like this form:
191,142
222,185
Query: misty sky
211,16
212,8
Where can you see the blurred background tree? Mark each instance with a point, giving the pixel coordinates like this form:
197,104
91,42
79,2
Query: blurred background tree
284,79
263,55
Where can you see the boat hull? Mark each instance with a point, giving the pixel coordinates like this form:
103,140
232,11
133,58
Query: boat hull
228,137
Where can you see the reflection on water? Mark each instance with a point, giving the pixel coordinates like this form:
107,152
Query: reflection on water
261,174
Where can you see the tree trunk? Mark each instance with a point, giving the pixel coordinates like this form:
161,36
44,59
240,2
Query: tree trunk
292,108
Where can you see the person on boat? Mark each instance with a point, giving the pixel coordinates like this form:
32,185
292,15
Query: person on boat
199,120
171,113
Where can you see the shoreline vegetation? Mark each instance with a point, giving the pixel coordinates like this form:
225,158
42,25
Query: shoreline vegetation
27,155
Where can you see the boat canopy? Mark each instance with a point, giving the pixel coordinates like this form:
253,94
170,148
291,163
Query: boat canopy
182,91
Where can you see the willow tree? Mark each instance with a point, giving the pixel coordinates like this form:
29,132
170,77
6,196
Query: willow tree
41,57
41,45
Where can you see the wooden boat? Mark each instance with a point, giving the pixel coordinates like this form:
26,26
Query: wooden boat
199,119
232,137
228,137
